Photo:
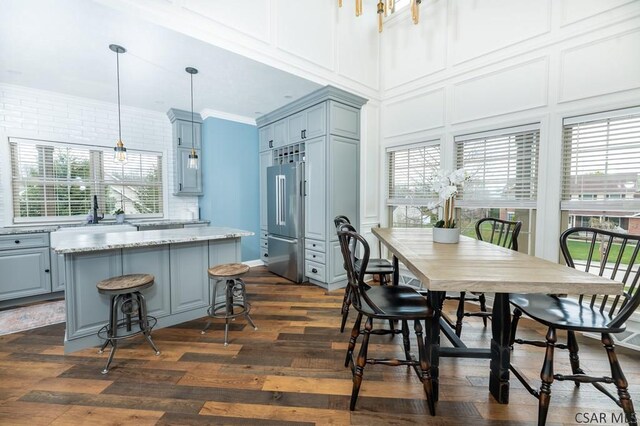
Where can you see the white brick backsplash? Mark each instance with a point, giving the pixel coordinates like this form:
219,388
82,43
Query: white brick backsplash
32,113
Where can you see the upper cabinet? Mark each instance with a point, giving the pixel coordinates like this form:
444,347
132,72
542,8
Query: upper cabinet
307,124
187,181
273,136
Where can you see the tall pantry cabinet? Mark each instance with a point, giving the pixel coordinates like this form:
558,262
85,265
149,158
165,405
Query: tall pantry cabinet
323,131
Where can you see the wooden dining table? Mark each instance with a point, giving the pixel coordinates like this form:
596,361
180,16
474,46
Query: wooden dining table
477,266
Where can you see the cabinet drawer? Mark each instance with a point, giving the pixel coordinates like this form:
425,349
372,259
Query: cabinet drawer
315,256
264,255
314,270
18,241
264,244
314,245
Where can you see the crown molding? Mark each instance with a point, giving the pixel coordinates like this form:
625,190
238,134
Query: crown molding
207,112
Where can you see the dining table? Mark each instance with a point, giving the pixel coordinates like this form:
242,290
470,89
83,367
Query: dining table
476,266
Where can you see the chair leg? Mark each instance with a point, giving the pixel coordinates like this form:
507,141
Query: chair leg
483,307
113,332
460,314
360,363
517,313
619,380
355,332
144,322
346,302
574,359
383,279
425,369
405,340
546,375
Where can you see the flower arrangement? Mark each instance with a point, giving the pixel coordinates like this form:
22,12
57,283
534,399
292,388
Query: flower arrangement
445,183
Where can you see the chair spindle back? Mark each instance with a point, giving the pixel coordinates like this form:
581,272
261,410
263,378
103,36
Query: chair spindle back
504,233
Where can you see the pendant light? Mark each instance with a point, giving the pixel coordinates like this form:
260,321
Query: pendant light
120,152
193,157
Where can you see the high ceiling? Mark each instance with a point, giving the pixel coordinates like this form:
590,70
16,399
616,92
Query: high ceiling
62,46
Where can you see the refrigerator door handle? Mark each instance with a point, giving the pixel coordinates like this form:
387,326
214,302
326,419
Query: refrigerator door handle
280,199
284,240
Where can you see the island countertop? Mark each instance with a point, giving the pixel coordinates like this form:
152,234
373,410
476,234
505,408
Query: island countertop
79,243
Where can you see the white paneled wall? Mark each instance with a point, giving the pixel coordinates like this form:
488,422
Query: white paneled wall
38,114
481,65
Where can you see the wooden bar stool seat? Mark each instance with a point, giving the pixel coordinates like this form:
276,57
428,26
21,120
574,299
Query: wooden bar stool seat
234,303
126,299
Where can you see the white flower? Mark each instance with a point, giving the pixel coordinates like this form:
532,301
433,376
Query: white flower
458,176
448,191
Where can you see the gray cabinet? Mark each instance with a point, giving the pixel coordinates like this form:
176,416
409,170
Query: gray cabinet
327,122
186,181
154,261
273,136
265,162
25,266
189,263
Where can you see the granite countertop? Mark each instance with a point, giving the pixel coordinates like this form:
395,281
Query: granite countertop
79,243
9,230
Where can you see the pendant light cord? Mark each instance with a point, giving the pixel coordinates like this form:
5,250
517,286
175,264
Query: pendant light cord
118,77
193,130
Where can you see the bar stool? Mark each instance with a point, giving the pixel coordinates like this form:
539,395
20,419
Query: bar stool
126,298
235,296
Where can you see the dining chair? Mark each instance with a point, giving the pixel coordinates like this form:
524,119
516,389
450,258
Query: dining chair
387,303
609,254
380,267
500,232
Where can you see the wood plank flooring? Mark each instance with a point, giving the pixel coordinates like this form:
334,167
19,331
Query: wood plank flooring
289,371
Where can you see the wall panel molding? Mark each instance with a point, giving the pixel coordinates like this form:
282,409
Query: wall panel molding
413,114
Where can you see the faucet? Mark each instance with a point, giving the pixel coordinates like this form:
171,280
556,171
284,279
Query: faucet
95,218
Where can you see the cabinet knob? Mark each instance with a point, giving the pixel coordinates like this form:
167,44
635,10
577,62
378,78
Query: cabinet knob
271,144
314,245
266,255
17,241
46,270
314,270
179,141
314,256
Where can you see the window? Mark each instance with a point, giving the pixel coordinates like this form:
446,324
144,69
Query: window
600,185
410,170
57,181
503,165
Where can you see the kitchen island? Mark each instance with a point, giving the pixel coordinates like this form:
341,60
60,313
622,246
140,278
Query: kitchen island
178,258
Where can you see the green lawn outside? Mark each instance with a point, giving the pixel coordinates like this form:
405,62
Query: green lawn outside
580,249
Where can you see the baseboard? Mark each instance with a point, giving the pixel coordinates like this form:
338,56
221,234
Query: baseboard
253,263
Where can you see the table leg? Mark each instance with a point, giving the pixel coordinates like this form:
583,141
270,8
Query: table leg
500,353
432,337
396,271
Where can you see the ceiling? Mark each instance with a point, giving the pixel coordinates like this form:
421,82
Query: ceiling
62,46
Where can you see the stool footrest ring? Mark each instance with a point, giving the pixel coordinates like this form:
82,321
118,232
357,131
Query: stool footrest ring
103,333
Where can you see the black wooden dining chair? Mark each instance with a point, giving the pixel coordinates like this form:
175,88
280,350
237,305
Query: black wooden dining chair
609,254
380,267
500,232
387,303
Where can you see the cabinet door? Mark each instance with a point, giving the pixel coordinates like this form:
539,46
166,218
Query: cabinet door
315,176
25,272
296,124
189,181
57,272
316,121
265,135
345,120
184,134
265,161
155,261
343,179
189,283
279,133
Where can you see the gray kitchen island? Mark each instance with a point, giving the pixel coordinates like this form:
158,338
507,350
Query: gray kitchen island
178,258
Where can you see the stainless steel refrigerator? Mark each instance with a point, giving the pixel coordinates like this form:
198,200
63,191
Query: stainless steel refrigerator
285,212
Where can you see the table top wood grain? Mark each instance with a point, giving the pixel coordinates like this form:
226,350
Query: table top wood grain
473,265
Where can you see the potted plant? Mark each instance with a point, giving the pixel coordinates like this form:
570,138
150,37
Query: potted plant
119,213
446,185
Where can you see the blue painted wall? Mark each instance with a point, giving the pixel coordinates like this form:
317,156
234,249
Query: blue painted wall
230,173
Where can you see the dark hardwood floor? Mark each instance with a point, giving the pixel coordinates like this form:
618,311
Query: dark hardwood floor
289,371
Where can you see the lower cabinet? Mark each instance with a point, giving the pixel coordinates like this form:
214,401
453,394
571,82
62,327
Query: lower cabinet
189,263
25,272
154,261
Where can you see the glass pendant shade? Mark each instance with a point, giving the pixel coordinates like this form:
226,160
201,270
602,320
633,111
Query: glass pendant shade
192,163
120,152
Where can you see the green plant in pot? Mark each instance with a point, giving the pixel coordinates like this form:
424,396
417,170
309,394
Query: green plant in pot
119,213
446,184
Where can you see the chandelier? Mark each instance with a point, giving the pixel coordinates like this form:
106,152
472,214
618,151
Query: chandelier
386,8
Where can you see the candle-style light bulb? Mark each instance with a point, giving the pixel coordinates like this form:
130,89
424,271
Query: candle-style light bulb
339,3
358,7
380,15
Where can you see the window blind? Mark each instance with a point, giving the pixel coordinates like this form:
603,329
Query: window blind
58,180
601,162
503,165
410,171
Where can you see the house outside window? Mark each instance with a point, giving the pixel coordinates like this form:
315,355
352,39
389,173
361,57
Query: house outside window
54,181
503,165
410,169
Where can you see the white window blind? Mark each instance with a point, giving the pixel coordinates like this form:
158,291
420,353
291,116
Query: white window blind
410,171
57,180
503,165
601,162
